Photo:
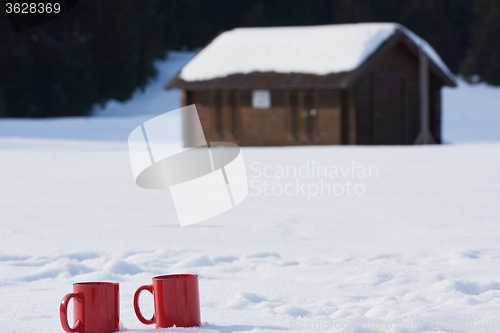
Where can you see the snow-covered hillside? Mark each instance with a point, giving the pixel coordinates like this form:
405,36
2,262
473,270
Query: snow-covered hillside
471,113
154,100
412,241
116,120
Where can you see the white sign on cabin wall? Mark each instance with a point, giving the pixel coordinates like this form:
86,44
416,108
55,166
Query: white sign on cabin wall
261,99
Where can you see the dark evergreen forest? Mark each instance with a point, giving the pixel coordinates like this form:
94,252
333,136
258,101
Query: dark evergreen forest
105,49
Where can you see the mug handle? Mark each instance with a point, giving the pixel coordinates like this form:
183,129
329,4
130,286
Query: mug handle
63,313
136,305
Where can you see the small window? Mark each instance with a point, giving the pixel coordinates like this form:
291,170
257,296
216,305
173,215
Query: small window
261,99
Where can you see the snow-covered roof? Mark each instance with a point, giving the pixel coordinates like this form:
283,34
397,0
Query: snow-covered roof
319,50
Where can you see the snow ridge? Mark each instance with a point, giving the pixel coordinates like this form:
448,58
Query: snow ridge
317,50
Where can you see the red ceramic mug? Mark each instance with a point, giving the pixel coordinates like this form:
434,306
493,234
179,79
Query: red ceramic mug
96,308
176,301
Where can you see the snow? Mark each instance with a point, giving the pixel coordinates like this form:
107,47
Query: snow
317,50
154,100
471,113
420,245
115,120
80,128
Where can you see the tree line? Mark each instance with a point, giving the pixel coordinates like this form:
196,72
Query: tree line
105,49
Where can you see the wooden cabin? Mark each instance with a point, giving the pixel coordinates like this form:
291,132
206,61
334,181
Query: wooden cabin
366,84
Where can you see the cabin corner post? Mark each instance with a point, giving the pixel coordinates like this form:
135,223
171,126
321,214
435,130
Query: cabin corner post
184,98
347,116
316,136
192,131
424,136
352,118
288,115
237,115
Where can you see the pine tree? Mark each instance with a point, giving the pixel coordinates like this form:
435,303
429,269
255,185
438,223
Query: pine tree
98,51
106,49
483,58
445,24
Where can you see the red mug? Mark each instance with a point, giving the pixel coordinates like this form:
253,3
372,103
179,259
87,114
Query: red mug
96,308
176,301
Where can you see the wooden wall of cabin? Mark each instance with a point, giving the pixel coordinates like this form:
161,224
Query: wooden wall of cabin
272,126
398,60
263,127
330,116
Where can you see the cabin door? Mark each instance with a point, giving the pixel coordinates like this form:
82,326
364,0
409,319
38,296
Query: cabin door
389,108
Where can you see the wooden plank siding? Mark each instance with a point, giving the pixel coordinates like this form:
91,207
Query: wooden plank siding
348,117
389,108
342,116
398,61
330,109
329,117
272,126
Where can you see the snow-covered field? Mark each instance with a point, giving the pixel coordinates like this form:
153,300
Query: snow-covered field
411,242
